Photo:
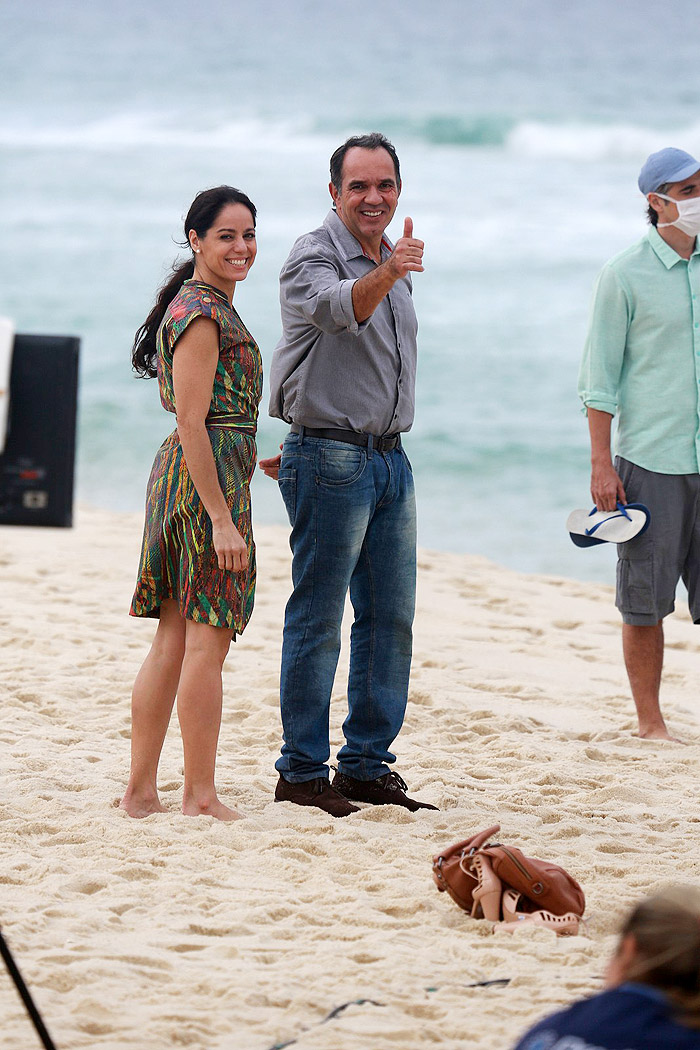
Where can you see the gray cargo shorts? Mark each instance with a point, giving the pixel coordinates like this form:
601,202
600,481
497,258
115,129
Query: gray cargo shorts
650,566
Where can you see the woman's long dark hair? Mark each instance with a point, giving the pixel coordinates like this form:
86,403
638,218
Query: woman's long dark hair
203,213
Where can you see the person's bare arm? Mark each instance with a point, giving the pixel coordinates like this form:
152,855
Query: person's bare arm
606,487
368,291
194,366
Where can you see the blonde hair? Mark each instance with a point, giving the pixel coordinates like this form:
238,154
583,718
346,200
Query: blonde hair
666,930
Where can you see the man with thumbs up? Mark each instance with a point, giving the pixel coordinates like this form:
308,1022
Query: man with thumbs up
343,375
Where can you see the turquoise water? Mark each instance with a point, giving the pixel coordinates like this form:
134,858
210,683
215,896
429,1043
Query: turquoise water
520,127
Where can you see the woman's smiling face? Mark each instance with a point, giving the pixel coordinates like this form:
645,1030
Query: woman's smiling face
225,254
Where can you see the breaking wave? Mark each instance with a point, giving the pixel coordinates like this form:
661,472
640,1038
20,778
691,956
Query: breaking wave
580,141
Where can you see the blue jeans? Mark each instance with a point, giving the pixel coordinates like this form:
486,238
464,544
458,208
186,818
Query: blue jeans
353,518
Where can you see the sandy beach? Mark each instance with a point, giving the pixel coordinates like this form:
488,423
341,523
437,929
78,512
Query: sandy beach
185,932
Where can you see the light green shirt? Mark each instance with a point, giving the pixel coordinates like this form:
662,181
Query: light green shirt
641,361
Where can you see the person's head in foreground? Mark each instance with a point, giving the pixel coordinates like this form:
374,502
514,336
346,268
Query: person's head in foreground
669,178
652,995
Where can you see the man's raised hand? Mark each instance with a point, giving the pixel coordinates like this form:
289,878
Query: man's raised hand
408,252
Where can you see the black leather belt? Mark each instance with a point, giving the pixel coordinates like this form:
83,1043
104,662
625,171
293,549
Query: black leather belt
351,437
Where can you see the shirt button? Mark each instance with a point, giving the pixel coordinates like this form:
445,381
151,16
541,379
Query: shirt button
206,299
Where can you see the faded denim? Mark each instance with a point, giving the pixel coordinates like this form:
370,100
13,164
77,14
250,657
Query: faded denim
353,518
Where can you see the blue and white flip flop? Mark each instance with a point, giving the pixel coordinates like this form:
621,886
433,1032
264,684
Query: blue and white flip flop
587,528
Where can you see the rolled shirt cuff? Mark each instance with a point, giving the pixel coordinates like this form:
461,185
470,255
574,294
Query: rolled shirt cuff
600,402
342,310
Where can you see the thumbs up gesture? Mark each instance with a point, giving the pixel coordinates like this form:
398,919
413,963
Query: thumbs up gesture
408,252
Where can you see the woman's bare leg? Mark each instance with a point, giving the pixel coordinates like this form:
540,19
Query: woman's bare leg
151,706
199,699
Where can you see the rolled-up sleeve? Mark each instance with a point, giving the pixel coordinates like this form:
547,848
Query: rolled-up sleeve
601,366
311,286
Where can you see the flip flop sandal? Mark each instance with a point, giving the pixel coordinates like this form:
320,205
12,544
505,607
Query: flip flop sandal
588,528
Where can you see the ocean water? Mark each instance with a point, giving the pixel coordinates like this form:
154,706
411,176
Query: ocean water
521,127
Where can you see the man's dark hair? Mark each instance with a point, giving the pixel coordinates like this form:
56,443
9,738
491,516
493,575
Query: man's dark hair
375,140
652,214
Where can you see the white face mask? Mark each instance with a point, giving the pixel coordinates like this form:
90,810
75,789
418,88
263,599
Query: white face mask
688,214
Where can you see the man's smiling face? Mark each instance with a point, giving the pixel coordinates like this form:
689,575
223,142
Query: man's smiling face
368,194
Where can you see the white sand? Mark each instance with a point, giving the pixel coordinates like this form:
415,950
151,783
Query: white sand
184,932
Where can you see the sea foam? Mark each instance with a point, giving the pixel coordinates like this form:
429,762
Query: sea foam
529,139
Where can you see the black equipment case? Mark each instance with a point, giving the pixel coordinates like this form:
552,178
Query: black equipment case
37,464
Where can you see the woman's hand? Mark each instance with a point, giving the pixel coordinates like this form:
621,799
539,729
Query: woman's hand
230,547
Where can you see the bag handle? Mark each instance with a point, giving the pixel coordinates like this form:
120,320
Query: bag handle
473,843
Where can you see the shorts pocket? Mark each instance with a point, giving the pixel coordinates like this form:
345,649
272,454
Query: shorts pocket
287,481
625,472
341,466
635,586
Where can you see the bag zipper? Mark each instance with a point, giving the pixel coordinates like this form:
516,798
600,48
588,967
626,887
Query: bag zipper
517,863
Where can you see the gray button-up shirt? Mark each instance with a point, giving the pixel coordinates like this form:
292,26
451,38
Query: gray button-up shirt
328,370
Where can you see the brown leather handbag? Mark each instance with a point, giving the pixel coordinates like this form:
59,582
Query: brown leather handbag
542,885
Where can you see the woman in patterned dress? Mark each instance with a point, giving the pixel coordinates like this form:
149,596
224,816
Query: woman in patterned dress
197,570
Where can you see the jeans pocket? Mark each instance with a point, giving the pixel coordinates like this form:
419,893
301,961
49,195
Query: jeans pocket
341,466
635,586
287,481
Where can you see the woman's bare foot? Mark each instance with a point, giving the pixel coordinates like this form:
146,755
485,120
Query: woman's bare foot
139,806
209,808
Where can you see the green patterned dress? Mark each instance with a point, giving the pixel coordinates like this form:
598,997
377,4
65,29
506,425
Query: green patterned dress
178,559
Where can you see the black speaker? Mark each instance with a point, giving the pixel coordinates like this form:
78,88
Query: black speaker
37,465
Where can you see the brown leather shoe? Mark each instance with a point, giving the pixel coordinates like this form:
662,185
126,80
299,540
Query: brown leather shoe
389,790
318,793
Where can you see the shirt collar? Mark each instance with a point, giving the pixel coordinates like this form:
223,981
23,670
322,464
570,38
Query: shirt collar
665,252
348,246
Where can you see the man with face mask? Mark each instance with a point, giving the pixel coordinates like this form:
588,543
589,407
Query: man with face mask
641,363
